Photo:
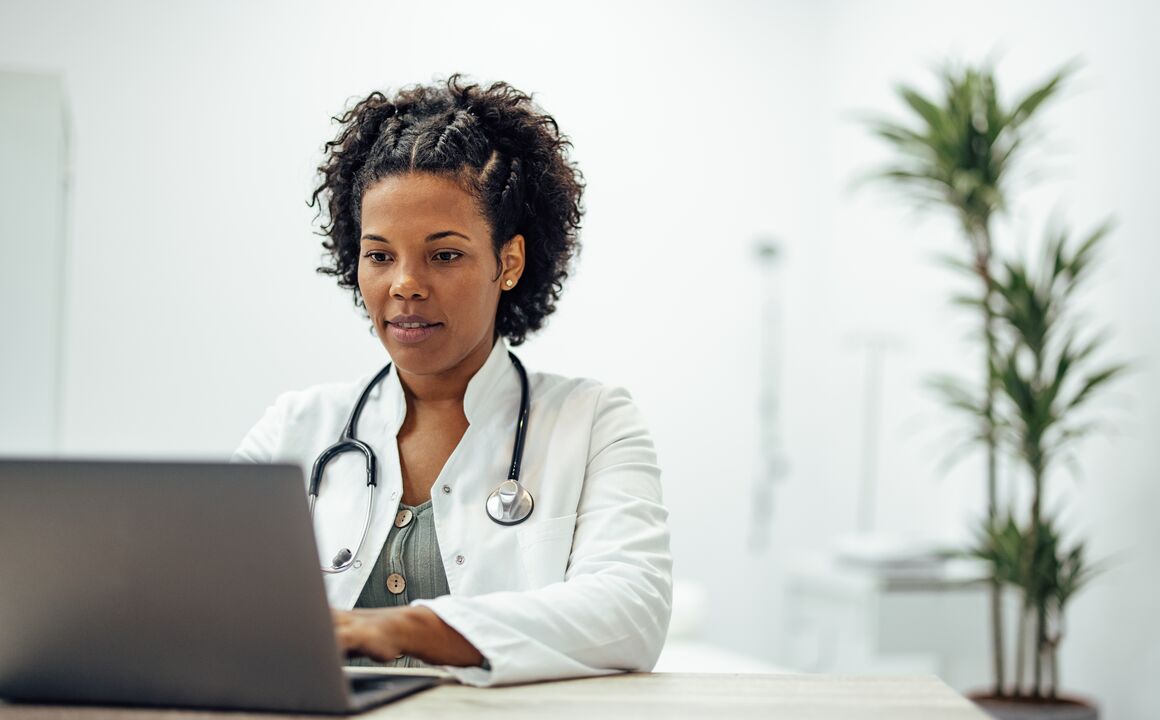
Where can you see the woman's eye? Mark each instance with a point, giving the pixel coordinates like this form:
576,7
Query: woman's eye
376,256
447,256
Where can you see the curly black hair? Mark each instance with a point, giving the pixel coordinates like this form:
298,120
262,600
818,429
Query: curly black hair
498,145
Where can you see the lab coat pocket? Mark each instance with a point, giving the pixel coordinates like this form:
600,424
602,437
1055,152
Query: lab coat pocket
545,547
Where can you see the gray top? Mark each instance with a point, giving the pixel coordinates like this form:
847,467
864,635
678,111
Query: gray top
410,567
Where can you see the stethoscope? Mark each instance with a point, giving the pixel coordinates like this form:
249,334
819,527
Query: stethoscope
508,504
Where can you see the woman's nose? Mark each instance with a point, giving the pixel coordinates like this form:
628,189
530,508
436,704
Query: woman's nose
407,285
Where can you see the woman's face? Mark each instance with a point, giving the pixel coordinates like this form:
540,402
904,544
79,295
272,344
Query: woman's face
428,274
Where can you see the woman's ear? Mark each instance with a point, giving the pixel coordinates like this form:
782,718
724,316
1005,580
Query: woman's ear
511,260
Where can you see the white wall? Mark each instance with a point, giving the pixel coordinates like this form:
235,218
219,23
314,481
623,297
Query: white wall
699,126
33,158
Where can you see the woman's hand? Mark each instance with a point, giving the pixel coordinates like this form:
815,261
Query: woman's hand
384,634
373,633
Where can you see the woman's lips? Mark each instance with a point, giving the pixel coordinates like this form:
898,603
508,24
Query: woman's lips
412,334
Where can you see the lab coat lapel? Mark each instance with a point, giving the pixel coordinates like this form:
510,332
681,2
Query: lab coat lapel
477,467
341,524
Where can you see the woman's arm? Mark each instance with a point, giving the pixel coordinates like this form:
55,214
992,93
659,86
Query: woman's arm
612,610
384,634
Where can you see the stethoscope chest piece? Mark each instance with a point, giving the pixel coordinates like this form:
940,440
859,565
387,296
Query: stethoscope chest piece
510,503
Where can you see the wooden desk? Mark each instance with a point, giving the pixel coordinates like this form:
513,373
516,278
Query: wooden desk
670,696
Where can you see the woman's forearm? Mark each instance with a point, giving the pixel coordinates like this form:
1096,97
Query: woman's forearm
433,641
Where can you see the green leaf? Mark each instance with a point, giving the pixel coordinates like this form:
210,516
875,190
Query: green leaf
931,113
1030,103
1094,382
1082,259
957,394
956,263
968,301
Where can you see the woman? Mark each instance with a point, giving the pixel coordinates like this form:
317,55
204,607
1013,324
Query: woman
452,214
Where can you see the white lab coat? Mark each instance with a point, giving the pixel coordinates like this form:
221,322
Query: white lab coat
582,587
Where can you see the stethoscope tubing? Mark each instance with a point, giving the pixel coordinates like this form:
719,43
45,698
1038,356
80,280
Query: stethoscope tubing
521,422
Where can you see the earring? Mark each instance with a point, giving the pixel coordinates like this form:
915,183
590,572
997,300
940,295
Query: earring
510,282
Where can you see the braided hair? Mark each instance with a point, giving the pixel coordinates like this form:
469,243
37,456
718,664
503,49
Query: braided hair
497,145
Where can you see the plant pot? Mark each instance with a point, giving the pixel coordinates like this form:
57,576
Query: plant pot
1028,708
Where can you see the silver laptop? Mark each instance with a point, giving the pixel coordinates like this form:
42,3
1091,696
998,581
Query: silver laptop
169,584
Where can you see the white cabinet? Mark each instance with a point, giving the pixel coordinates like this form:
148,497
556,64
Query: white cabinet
843,618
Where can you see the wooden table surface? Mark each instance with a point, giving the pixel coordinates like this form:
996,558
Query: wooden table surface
637,696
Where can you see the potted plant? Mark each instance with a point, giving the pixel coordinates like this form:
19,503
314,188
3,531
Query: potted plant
1047,375
958,153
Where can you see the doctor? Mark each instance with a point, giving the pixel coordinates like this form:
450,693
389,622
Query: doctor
452,214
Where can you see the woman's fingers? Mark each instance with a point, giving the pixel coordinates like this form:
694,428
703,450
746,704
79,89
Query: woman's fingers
346,629
349,642
366,632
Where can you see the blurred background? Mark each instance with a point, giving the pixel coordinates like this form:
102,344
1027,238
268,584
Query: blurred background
774,319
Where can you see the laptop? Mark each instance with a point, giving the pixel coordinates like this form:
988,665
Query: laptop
170,584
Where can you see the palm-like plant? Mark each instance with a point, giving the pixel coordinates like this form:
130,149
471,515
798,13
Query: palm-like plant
1047,377
958,153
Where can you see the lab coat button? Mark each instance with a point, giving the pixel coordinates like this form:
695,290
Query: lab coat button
446,489
459,559
403,518
396,584
357,564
